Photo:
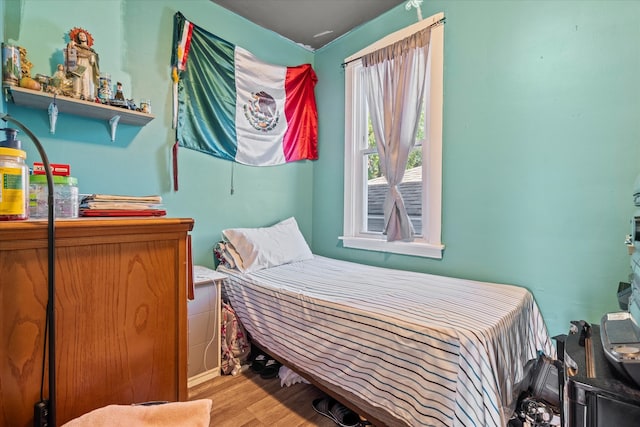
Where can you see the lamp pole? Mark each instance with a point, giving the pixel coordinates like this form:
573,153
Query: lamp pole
45,412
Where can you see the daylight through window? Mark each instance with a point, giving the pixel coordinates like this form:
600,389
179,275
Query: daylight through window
365,184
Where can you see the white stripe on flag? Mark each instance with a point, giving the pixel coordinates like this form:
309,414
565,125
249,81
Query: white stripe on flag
183,50
260,119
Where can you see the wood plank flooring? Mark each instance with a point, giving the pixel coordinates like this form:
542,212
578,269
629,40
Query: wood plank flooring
248,400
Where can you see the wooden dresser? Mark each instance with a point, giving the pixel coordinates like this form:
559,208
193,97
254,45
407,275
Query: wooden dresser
121,314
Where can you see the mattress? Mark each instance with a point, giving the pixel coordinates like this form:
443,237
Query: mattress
424,349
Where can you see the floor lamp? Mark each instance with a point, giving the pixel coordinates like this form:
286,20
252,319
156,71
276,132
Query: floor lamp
45,410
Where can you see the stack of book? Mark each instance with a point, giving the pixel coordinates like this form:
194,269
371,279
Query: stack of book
115,205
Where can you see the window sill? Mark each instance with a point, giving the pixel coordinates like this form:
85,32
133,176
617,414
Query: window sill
425,250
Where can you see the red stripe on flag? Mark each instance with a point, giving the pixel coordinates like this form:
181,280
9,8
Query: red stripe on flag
301,138
186,44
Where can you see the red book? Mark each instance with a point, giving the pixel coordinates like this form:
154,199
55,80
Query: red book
122,212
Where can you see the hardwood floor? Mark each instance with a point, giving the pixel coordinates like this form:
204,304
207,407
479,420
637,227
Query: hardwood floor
248,400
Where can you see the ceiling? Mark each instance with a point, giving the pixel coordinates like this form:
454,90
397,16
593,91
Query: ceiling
311,23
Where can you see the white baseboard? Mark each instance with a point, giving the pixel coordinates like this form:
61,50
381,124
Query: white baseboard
203,377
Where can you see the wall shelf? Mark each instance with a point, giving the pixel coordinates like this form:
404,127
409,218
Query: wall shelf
67,105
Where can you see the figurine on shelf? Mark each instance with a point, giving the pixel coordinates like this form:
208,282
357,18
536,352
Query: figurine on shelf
118,99
25,68
60,84
119,95
82,64
105,92
25,64
60,74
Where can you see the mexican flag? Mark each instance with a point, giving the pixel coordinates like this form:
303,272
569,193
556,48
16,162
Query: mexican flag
232,105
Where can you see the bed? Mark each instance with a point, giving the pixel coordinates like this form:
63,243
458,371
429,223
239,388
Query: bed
398,347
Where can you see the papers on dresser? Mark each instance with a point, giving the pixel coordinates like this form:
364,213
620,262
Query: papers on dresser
121,205
121,198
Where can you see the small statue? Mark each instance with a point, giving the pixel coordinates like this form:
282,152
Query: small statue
119,95
60,84
105,93
25,64
25,68
82,64
58,76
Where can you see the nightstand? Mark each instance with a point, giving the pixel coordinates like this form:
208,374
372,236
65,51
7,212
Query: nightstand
204,326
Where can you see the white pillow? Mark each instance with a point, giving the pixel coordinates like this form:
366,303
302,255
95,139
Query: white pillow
265,247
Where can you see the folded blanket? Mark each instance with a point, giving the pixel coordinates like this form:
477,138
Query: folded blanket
196,413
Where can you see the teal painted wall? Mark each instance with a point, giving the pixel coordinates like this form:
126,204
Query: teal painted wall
541,147
541,136
133,39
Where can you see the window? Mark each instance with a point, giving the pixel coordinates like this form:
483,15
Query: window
421,187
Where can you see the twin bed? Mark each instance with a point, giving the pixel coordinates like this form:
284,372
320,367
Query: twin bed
398,347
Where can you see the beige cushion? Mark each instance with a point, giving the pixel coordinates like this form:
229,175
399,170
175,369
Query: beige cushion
196,413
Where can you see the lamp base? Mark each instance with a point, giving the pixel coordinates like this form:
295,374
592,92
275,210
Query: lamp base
41,414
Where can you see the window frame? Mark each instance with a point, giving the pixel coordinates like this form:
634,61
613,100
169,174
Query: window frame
429,244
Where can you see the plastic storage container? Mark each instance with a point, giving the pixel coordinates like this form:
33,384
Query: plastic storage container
14,185
11,139
65,190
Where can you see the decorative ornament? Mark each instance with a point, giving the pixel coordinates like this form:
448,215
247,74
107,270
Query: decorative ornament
25,69
82,64
25,64
53,115
73,35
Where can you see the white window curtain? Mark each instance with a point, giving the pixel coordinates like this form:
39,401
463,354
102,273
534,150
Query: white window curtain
396,77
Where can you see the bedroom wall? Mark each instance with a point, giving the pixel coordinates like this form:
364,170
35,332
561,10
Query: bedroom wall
541,147
541,136
133,39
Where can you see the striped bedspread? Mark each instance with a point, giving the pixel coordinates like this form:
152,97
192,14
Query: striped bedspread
430,350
